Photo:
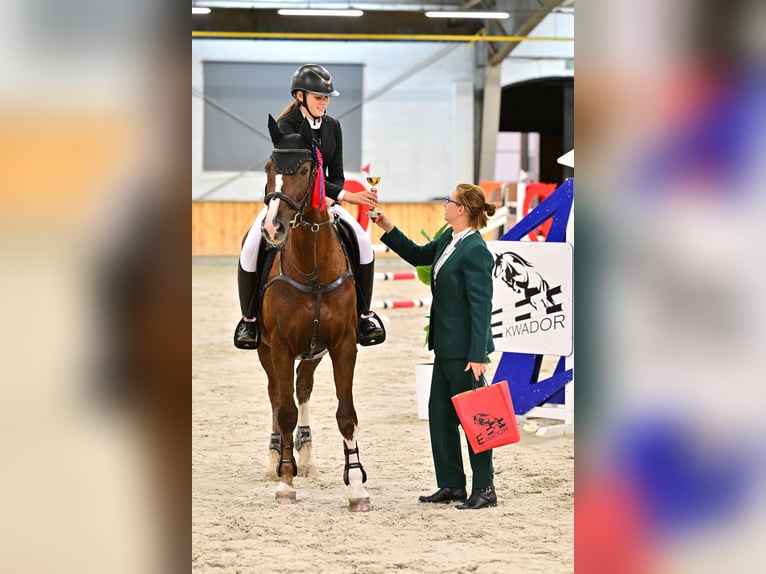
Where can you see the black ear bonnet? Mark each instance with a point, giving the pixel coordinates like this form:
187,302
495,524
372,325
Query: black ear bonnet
290,150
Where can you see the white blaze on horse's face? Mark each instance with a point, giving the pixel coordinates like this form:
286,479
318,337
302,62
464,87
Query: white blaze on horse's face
269,225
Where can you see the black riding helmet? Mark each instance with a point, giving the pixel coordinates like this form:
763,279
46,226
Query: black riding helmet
312,78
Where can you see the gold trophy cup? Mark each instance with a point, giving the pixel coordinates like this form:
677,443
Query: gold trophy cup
373,181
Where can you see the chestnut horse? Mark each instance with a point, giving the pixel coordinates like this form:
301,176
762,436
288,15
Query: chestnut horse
308,310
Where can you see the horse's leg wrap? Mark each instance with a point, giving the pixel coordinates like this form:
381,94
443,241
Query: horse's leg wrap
349,465
302,436
275,443
286,457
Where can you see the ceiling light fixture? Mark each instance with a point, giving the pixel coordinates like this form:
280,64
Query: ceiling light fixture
475,15
198,10
318,12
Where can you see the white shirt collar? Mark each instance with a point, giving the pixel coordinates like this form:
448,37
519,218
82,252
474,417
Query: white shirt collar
463,234
451,246
315,125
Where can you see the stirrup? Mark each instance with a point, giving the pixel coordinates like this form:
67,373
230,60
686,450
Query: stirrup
376,340
248,345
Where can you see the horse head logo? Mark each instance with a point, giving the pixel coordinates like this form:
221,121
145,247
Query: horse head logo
511,268
519,275
483,419
491,423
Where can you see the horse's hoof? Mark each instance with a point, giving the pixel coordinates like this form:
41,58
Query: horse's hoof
359,504
285,497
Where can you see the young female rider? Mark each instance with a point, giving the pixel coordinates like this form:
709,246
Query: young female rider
311,87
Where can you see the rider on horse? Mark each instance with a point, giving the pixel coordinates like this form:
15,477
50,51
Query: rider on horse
311,86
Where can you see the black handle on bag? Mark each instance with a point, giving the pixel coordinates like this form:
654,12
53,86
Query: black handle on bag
482,381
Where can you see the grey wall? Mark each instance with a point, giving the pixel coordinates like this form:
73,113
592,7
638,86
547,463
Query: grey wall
242,94
414,111
416,116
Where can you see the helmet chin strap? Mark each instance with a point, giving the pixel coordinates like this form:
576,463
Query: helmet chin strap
314,121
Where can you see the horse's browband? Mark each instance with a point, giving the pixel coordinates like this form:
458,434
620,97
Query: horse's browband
288,165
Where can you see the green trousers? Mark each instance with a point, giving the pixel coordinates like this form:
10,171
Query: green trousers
449,378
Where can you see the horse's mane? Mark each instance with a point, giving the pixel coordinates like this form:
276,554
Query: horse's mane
516,258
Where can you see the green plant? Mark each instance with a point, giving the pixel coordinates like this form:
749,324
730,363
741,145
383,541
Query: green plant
424,271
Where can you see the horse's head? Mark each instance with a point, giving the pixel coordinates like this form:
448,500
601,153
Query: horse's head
482,419
499,265
510,268
290,174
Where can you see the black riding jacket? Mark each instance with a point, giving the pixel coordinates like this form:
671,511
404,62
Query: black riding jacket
330,143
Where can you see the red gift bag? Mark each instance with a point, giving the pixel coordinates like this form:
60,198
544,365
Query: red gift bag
487,417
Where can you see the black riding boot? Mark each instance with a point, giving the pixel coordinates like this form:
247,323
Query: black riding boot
370,329
248,333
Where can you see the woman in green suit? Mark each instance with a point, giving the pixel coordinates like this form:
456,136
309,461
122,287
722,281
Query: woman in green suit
459,334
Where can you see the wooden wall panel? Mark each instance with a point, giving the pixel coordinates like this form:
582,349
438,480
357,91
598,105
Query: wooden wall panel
218,226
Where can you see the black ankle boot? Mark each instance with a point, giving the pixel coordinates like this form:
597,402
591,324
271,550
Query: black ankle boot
370,329
247,334
480,498
445,494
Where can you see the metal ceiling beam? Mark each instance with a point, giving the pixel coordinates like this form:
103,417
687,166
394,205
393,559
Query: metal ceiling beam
335,5
395,37
525,29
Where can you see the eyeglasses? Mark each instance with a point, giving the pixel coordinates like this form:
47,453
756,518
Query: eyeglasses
450,200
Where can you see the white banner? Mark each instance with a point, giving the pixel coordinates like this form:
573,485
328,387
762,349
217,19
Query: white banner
532,300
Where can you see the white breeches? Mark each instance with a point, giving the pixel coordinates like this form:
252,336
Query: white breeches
248,258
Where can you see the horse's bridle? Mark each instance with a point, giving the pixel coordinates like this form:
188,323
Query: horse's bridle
288,165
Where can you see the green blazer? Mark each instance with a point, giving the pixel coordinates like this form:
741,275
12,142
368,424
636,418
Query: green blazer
461,308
